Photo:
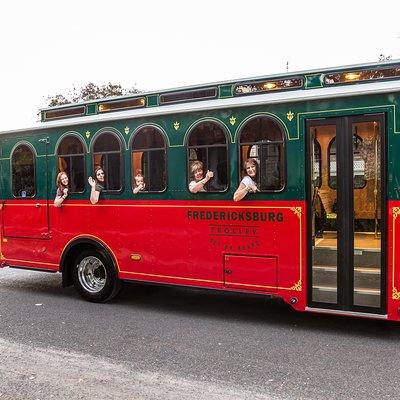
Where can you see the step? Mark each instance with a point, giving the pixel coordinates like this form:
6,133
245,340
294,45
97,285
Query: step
362,257
324,294
367,277
362,296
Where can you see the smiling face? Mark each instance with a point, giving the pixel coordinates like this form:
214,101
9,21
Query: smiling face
198,174
100,175
64,180
251,169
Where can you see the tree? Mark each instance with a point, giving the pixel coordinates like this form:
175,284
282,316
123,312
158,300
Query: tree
90,91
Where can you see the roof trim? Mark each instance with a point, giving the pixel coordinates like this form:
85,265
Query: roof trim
232,102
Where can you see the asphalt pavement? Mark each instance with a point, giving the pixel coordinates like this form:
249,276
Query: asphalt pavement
162,342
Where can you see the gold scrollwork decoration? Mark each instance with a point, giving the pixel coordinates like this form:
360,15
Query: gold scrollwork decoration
126,130
176,125
395,294
297,211
87,134
290,115
396,212
232,120
297,286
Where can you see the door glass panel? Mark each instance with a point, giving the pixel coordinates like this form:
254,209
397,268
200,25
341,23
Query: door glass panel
367,214
324,215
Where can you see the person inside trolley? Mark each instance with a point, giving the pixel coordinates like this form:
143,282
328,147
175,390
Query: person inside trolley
248,183
198,181
139,185
97,184
62,188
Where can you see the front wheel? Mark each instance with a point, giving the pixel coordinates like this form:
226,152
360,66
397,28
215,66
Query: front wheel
94,276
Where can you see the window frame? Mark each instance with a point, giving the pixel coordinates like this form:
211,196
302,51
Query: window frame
121,160
188,148
73,155
165,148
359,139
250,144
33,151
186,94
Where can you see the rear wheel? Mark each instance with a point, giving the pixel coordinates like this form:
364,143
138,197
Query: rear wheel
94,276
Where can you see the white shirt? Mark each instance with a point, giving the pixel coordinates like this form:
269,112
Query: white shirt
248,182
193,184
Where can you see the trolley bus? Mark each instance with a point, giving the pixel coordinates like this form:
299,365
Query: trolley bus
320,232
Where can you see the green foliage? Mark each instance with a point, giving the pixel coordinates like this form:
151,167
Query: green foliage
90,91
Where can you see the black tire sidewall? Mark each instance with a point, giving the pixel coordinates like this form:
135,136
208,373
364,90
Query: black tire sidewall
111,278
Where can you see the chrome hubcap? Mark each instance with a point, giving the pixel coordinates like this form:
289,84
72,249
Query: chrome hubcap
92,274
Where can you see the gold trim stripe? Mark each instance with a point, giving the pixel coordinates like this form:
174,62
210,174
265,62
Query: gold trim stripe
32,262
201,280
395,214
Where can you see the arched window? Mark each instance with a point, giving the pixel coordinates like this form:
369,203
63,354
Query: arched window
149,155
107,155
23,171
359,180
207,142
317,161
358,163
332,177
71,160
263,138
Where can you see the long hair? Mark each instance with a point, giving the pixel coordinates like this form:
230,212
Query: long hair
58,180
251,161
98,168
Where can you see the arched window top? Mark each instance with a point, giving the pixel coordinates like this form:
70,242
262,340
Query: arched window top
262,129
148,137
106,142
70,145
207,134
23,148
357,142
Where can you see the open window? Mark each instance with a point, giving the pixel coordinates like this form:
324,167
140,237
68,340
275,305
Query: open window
71,160
207,142
263,139
107,155
149,159
23,171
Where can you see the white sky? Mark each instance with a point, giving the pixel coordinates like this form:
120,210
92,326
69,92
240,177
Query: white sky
47,47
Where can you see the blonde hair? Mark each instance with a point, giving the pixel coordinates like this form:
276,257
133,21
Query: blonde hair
138,175
194,166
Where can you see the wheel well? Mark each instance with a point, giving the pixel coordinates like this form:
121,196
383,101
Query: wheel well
72,251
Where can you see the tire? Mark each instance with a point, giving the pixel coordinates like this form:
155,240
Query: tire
95,277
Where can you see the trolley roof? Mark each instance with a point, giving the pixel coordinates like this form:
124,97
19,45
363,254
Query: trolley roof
359,79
